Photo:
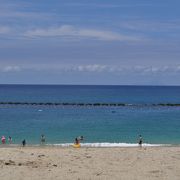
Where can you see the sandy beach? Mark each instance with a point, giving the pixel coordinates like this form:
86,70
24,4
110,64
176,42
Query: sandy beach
56,163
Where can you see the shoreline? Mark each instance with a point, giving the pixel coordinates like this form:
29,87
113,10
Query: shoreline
91,145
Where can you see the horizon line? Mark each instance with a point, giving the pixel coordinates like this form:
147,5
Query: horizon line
35,84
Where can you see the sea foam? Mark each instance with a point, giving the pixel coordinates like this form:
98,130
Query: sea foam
106,144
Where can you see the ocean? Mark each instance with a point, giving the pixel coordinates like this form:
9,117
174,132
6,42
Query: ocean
104,115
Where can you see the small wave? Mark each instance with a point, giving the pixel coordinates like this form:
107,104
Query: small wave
90,145
109,145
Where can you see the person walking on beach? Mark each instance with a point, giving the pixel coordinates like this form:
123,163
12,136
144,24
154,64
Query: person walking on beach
140,141
23,142
43,139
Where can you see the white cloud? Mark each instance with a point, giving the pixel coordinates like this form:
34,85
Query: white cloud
90,68
95,68
73,32
11,69
105,35
143,70
109,5
156,70
60,31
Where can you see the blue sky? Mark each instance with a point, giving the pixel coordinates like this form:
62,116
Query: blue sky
90,42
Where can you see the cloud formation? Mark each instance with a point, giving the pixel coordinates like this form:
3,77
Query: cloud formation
95,68
89,36
68,31
107,5
10,69
144,70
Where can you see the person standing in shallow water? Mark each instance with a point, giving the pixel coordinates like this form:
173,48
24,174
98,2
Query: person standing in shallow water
79,139
140,141
43,139
76,141
3,140
10,140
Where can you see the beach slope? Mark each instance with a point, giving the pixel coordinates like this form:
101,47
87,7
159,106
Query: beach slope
55,163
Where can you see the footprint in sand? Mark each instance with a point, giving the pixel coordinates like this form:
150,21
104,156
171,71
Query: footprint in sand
10,162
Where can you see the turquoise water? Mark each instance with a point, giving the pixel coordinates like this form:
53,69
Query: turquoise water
61,124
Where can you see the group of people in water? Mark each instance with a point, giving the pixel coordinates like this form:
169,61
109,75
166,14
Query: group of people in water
43,140
3,139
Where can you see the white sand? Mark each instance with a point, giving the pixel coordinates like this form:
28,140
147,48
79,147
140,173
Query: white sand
53,163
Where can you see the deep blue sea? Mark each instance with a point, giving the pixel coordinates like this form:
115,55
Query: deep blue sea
98,124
